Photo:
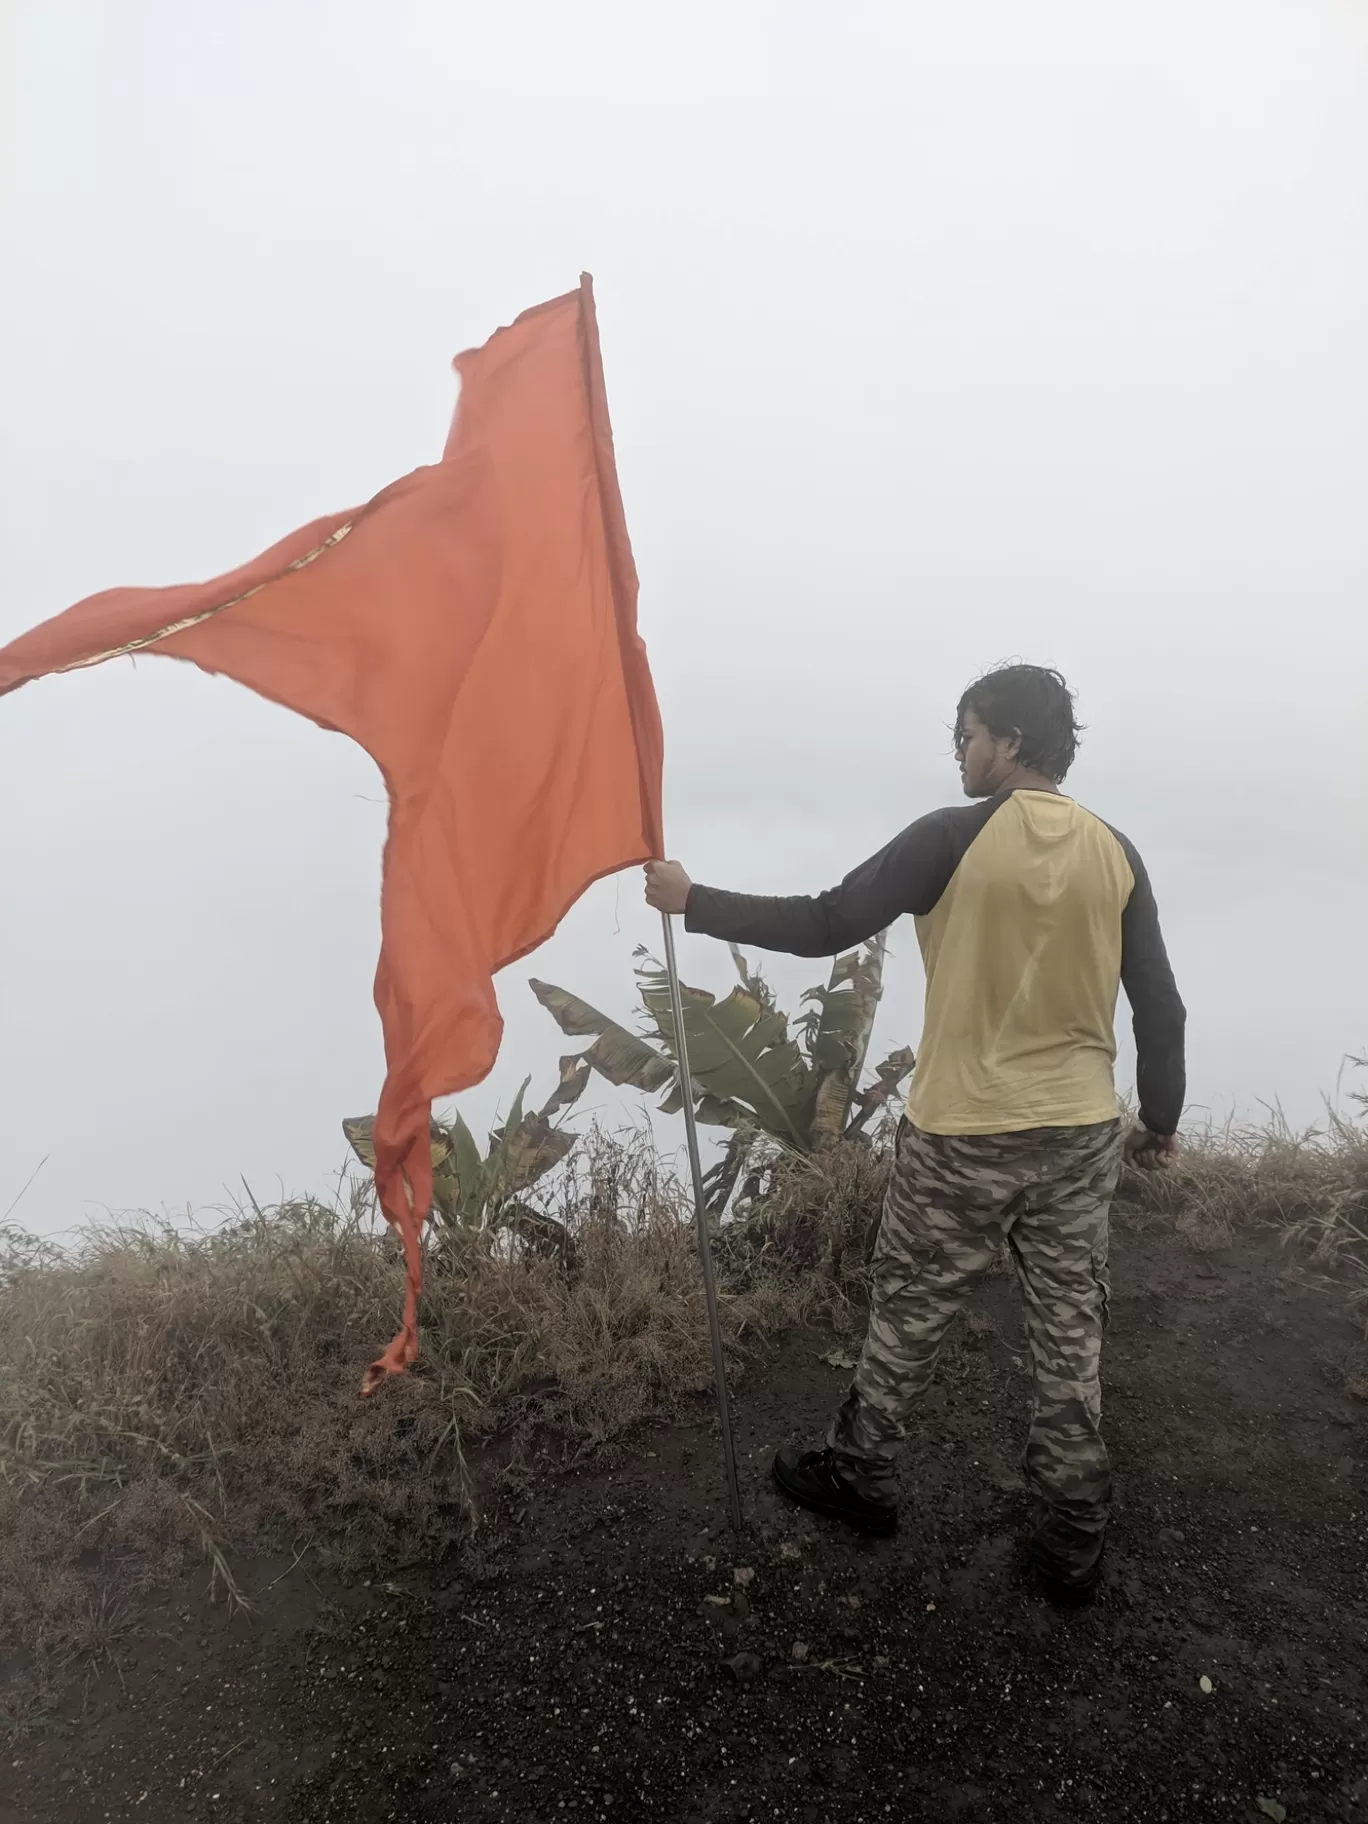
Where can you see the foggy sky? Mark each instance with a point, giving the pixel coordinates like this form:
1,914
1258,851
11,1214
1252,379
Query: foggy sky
934,335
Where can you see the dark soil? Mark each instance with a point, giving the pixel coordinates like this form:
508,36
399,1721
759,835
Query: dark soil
604,1649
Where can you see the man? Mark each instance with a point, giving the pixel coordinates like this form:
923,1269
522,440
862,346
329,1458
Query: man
1030,913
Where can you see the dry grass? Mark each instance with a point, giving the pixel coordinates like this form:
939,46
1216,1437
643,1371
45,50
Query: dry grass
1310,1187
814,1219
164,1395
808,1227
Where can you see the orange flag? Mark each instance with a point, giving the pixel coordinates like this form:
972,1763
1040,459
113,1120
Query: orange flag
474,628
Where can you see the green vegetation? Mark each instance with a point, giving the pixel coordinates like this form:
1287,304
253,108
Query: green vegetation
748,1073
480,1195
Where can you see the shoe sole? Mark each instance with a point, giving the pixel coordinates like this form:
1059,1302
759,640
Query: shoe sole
1068,1595
832,1510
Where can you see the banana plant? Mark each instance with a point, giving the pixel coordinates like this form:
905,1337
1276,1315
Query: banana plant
474,1193
747,1072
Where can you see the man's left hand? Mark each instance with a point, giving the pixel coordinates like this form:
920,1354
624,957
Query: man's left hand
667,886
1150,1151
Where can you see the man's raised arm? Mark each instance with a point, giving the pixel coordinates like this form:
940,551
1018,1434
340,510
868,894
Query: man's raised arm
908,876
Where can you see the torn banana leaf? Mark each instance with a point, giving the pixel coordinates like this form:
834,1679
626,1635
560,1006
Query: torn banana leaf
889,1079
616,1054
836,1030
360,1130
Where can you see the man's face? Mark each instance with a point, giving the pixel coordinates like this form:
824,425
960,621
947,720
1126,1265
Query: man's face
985,759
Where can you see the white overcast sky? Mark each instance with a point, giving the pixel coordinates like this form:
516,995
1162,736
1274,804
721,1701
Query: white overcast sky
935,334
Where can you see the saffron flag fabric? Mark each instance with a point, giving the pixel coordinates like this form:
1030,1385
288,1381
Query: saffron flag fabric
474,628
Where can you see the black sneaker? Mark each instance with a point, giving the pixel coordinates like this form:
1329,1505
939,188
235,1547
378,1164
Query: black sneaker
1067,1558
811,1478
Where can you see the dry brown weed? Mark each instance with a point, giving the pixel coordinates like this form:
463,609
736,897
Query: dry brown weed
166,1396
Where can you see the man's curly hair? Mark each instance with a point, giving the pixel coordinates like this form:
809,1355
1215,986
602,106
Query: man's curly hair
1030,701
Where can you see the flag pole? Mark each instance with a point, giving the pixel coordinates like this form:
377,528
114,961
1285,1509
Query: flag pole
701,1218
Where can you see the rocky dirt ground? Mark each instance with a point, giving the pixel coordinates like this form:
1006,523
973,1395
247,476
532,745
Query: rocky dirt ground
604,1649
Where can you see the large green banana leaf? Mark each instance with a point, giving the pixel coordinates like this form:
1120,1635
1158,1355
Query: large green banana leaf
616,1054
715,1111
743,1065
739,1051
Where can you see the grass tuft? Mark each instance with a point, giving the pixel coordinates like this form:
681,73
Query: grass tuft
1309,1186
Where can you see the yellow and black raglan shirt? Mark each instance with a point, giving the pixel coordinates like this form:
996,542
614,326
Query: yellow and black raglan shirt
1031,914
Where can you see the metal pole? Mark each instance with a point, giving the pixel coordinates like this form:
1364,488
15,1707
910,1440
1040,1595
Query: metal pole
701,1217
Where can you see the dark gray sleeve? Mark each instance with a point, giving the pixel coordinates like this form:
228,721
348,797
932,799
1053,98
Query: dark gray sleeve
908,876
1160,1019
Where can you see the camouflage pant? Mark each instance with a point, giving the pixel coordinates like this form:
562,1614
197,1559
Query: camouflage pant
950,1202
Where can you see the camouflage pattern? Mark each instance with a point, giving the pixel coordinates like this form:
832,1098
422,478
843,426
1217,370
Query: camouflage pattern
951,1201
